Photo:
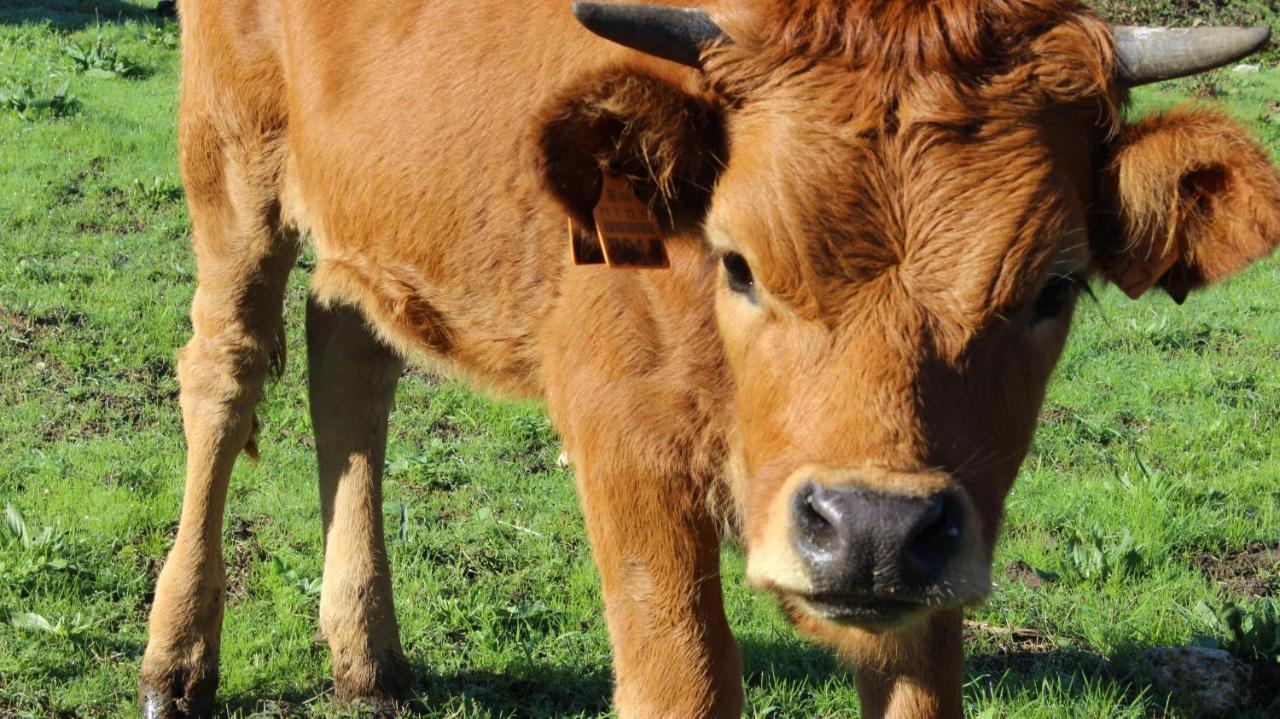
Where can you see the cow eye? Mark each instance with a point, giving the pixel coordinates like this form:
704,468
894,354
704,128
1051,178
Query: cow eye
739,274
1055,296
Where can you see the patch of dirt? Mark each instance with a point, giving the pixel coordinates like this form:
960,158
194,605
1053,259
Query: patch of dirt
430,377
28,330
303,438
1022,573
1017,642
16,326
25,328
446,427
97,168
246,551
1249,573
1132,423
1053,415
130,395
71,191
1000,650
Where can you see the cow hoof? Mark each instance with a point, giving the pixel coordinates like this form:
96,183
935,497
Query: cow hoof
378,705
160,703
382,689
381,708
169,700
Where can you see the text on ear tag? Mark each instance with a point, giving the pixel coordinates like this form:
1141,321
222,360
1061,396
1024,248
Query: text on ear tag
1141,275
629,235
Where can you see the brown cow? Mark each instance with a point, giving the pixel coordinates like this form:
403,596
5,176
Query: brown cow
877,216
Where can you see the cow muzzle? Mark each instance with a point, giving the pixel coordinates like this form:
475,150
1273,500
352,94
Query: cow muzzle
872,549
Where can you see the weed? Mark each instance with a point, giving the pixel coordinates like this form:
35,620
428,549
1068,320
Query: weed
308,585
1091,557
73,628
162,35
159,192
26,554
399,511
30,103
100,58
1249,630
15,530
17,96
529,617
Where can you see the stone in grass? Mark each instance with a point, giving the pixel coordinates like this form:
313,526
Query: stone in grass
1212,680
1244,68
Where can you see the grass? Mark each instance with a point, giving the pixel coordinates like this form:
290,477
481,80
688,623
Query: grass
1156,468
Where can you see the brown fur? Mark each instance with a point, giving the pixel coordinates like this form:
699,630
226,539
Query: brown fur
902,176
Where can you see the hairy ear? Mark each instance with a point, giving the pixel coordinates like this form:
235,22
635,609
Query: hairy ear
667,142
1192,199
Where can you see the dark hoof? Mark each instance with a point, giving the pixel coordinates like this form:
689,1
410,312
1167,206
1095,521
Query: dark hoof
385,692
161,704
386,708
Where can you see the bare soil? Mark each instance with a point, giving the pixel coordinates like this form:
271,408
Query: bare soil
1249,573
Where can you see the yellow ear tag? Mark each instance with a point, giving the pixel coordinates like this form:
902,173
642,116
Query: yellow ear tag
1139,275
629,235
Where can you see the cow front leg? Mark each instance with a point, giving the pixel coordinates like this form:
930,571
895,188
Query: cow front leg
916,673
353,379
658,553
235,316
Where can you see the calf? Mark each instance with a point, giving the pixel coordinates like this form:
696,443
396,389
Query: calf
869,221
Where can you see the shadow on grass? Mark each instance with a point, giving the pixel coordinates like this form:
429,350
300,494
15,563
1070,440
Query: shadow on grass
542,692
535,692
1025,671
1125,676
538,691
73,14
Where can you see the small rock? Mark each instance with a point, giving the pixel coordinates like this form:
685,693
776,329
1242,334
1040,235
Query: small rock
1246,68
1212,679
562,460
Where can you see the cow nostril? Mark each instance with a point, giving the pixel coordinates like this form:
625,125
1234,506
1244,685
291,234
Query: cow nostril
936,537
815,528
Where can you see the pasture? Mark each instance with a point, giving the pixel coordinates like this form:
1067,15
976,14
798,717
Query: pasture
1147,515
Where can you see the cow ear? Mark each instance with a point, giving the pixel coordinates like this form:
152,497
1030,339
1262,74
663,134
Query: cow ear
666,141
1192,199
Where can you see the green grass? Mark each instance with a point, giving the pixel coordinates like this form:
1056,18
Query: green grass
1157,451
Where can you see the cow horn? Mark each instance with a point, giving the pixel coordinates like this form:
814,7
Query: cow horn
1151,54
677,34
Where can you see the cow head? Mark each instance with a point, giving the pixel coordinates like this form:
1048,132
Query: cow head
906,199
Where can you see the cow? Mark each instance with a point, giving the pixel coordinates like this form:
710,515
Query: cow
792,273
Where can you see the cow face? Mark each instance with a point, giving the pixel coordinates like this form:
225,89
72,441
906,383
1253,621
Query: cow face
893,301
904,229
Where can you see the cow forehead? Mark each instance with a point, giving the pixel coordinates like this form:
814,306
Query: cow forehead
964,215
776,40
950,143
